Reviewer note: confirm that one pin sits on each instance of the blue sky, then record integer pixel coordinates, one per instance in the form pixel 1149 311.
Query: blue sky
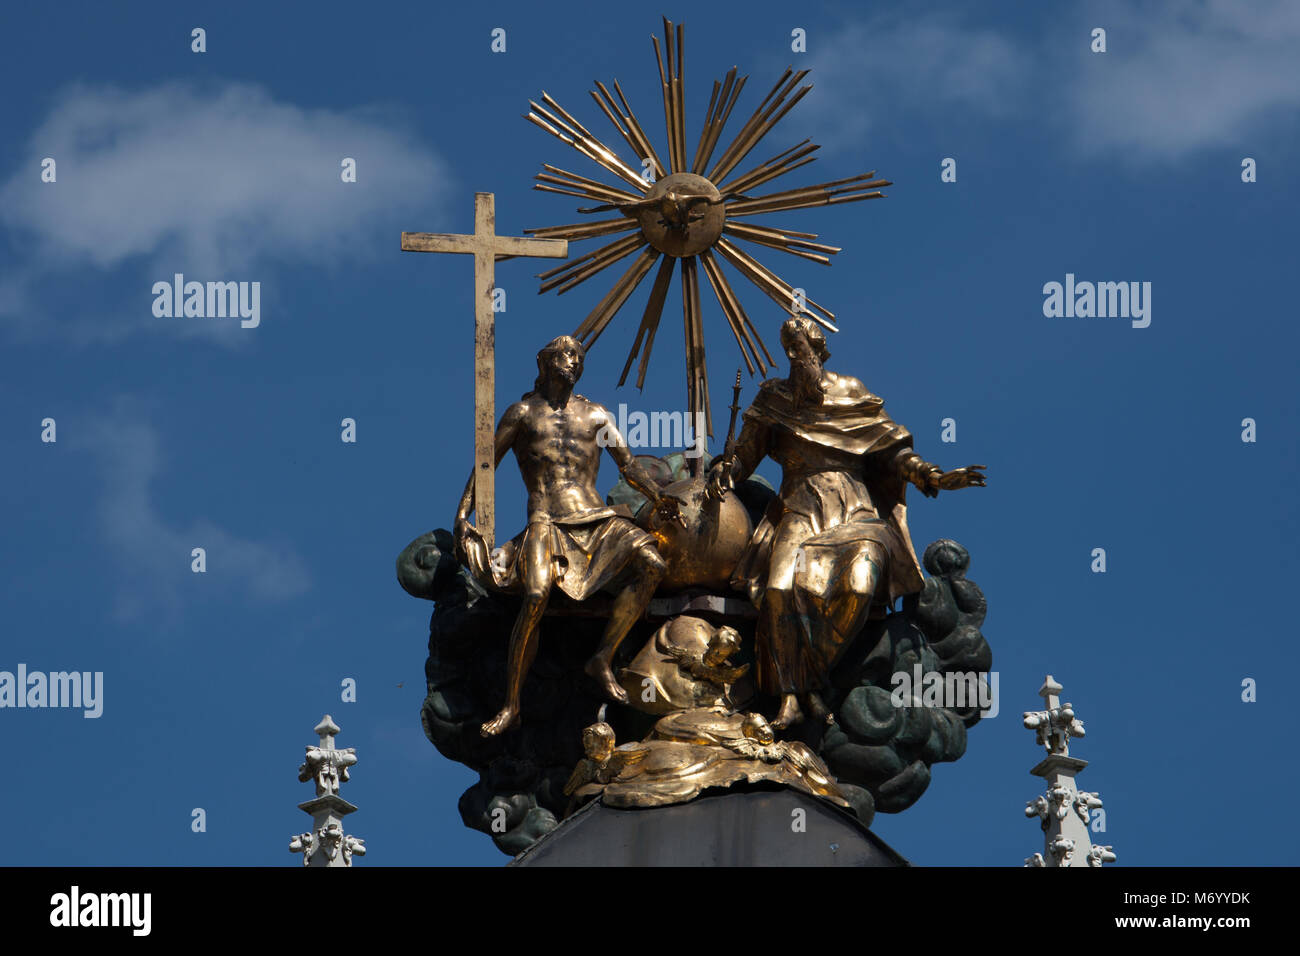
pixel 186 432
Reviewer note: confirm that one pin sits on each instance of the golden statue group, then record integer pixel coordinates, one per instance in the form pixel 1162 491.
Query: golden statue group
pixel 832 544
pixel 695 565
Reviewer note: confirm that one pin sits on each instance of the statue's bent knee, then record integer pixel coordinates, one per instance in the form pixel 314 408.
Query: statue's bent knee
pixel 652 563
pixel 536 594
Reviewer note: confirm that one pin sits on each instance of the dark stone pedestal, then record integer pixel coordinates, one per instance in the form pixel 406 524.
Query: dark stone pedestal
pixel 739 827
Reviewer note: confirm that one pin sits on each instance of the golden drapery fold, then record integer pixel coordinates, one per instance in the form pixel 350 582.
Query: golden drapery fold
pixel 587 550
pixel 835 540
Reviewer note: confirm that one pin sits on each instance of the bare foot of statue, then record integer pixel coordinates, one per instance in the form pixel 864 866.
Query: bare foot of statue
pixel 790 713
pixel 509 717
pixel 598 669
pixel 818 710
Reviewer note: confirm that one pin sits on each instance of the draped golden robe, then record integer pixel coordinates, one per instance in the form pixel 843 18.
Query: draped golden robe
pixel 836 536
pixel 588 550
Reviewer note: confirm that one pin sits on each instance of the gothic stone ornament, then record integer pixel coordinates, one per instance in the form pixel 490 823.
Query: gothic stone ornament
pixel 337 847
pixel 1064 811
pixel 326 844
pixel 1101 854
pixel 1085 803
pixel 303 843
pixel 1055 727
pixel 329 768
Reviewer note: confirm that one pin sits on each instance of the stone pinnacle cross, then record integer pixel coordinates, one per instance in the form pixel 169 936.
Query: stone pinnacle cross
pixel 1064 811
pixel 486 247
pixel 326 844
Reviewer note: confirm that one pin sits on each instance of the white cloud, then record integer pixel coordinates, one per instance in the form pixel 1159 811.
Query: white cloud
pixel 148 556
pixel 1178 77
pixel 902 65
pixel 216 183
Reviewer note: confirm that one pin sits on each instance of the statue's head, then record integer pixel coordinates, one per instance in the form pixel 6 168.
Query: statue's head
pixel 562 356
pixel 805 346
pixel 757 729
pixel 598 741
pixel 722 645
pixel 801 329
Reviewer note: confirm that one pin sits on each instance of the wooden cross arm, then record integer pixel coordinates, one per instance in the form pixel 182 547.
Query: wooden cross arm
pixel 501 245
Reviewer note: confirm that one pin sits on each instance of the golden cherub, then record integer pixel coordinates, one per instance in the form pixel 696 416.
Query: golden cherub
pixel 603 761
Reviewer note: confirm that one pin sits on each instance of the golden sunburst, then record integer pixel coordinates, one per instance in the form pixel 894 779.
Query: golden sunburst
pixel 683 215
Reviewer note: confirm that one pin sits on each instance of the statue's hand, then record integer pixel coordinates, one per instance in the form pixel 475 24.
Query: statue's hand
pixel 669 508
pixel 464 532
pixel 968 477
pixel 720 480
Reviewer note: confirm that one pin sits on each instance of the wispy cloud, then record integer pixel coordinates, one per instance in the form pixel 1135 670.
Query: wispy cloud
pixel 216 183
pixel 149 556
pixel 900 66
pixel 1179 77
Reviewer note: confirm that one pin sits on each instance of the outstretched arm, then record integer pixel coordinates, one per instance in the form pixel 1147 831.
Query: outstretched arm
pixel 931 479
pixel 634 472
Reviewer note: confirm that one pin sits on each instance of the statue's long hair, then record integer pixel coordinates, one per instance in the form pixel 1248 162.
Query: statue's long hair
pixel 544 357
pixel 800 325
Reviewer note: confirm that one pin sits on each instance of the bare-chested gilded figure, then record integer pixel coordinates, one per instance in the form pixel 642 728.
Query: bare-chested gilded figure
pixel 573 540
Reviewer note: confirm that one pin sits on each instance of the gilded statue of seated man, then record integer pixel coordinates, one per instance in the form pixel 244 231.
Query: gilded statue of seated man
pixel 834 542
pixel 573 541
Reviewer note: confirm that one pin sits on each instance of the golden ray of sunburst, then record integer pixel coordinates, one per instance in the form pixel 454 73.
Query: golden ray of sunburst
pixel 665 218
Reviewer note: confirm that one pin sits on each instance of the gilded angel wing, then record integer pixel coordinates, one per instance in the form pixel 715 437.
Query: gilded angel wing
pixel 679 654
pixel 583 774
pixel 728 675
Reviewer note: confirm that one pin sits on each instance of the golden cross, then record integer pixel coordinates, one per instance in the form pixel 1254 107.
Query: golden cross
pixel 486 247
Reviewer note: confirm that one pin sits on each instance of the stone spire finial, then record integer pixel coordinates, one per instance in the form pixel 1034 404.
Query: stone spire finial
pixel 1063 811
pixel 326 729
pixel 325 762
pixel 326 844
pixel 1055 725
